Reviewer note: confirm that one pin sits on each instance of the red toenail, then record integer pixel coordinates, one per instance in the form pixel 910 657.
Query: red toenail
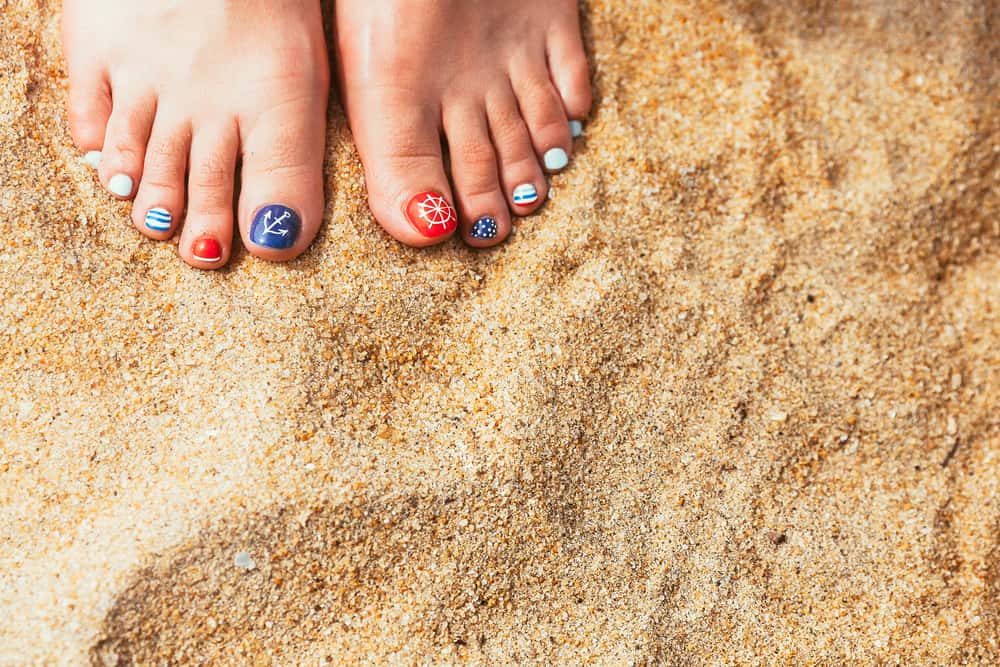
pixel 432 215
pixel 207 249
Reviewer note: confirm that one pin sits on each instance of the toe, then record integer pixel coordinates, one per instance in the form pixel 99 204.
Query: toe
pixel 524 183
pixel 207 238
pixel 125 142
pixel 544 113
pixel 159 203
pixel 400 145
pixel 570 72
pixel 89 107
pixel 483 212
pixel 281 200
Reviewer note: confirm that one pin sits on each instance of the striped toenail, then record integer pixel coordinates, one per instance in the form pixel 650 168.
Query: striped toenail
pixel 556 159
pixel 525 195
pixel 158 219
pixel 121 185
pixel 576 129
pixel 432 215
pixel 206 249
pixel 276 227
pixel 485 228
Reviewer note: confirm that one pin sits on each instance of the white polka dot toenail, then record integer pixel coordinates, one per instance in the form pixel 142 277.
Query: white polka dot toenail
pixel 576 129
pixel 121 185
pixel 93 158
pixel 556 159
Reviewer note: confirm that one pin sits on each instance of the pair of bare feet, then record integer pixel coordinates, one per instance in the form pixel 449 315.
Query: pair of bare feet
pixel 167 98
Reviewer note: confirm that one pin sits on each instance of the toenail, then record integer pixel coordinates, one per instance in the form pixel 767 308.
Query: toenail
pixel 432 215
pixel 93 158
pixel 576 129
pixel 276 227
pixel 556 159
pixel 206 249
pixel 158 219
pixel 525 195
pixel 121 185
pixel 485 228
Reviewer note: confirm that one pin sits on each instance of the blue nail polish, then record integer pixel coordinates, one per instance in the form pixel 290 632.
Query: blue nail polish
pixel 485 228
pixel 276 227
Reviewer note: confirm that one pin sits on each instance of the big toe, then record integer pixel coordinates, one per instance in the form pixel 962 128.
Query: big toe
pixel 408 191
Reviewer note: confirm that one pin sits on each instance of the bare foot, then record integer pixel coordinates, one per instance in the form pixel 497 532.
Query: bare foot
pixel 164 90
pixel 500 80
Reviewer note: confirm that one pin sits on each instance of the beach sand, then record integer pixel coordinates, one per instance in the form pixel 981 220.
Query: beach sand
pixel 731 399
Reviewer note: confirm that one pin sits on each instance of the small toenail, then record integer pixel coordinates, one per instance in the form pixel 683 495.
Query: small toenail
pixel 556 159
pixel 276 227
pixel 159 219
pixel 432 215
pixel 121 185
pixel 208 250
pixel 525 195
pixel 576 129
pixel 485 228
pixel 93 158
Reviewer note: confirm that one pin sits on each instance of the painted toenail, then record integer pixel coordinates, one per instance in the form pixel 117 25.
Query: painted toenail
pixel 206 249
pixel 556 159
pixel 93 158
pixel 485 228
pixel 432 215
pixel 576 129
pixel 525 195
pixel 121 185
pixel 159 219
pixel 276 227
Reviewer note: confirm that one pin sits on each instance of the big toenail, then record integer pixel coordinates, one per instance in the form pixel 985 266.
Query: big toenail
pixel 121 185
pixel 485 228
pixel 208 250
pixel 556 159
pixel 276 227
pixel 432 215
pixel 576 129
pixel 525 195
pixel 158 219
pixel 93 158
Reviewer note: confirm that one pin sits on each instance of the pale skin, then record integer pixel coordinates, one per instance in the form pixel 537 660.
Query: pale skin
pixel 176 94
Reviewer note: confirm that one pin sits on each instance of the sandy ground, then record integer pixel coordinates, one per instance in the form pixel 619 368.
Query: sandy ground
pixel 732 399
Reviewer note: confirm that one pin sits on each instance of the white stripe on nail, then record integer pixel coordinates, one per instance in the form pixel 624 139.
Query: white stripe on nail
pixel 159 219
pixel 525 195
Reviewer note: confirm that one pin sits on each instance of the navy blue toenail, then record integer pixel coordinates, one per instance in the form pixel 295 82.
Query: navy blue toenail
pixel 276 227
pixel 485 228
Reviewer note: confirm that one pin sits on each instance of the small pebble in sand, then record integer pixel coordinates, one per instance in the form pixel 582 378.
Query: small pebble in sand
pixel 244 561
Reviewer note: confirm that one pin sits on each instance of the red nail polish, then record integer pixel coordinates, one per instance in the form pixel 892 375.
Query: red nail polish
pixel 207 249
pixel 432 215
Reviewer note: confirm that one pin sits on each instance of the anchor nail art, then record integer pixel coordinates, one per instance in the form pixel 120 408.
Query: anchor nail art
pixel 556 159
pixel 121 185
pixel 485 228
pixel 207 249
pixel 432 215
pixel 525 195
pixel 576 129
pixel 158 219
pixel 276 227
pixel 93 159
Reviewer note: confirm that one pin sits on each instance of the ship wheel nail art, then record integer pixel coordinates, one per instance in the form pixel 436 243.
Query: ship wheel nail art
pixel 485 228
pixel 276 227
pixel 208 250
pixel 432 215
pixel 158 219
pixel 525 195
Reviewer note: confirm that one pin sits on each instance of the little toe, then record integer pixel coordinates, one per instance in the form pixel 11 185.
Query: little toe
pixel 207 237
pixel 88 107
pixel 524 183
pixel 281 199
pixel 159 203
pixel 400 146
pixel 571 74
pixel 483 212
pixel 544 113
pixel 125 142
